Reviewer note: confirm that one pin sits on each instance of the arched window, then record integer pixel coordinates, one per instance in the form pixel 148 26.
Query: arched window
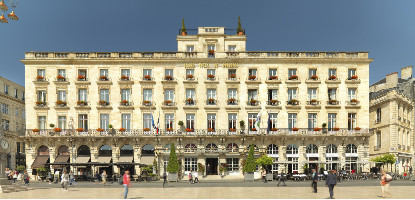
pixel 232 147
pixel 292 149
pixel 331 148
pixel 351 148
pixel 147 150
pixel 63 150
pixel 312 148
pixel 211 146
pixel 84 150
pixel 127 150
pixel 272 149
pixel 43 150
pixel 105 150
pixel 190 148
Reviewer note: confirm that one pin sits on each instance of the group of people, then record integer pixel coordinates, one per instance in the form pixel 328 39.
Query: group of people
pixel 193 177
pixel 14 175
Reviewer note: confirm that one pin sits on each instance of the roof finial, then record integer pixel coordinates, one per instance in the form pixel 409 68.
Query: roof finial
pixel 239 30
pixel 184 32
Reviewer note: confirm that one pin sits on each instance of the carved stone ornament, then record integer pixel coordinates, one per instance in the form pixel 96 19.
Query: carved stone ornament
pixel 233 86
pixel 169 86
pixel 82 86
pixel 210 86
pixel 103 87
pixel 252 86
pixel 125 86
pixel 147 86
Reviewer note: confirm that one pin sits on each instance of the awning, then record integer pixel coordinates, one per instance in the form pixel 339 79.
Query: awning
pixel 147 160
pixel 60 159
pixel 126 159
pixel 82 160
pixel 104 159
pixel 40 161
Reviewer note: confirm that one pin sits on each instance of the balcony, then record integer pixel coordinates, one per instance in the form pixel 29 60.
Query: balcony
pixel 82 105
pixel 332 104
pixel 61 80
pixel 82 80
pixel 253 102
pixel 313 80
pixel 126 105
pixel 61 105
pixel 313 103
pixel 232 102
pixel 377 148
pixel 211 79
pixel 273 80
pixel 190 104
pixel 147 104
pixel 293 80
pixel 232 79
pixel 103 105
pixel 125 80
pixel 353 104
pixel 147 79
pixel 211 102
pixel 352 80
pixel 293 104
pixel 104 80
pixel 333 80
pixel 190 78
pixel 41 105
pixel 40 80
pixel 252 79
pixel 169 104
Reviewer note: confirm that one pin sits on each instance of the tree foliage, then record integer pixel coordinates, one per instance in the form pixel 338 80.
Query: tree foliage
pixel 239 29
pixel 173 166
pixel 183 27
pixel 265 161
pixel 385 159
pixel 250 165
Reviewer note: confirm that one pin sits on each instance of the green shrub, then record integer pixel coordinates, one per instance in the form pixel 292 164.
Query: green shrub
pixel 250 165
pixel 173 166
pixel 265 161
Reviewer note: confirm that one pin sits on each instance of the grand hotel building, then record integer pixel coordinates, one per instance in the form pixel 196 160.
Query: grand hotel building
pixel 211 84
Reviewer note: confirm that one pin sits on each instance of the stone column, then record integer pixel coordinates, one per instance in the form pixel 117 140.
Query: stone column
pixel 342 158
pixel 30 157
pixel 137 159
pixel 202 160
pixel 115 158
pixel 13 160
pixel 282 153
pixel 52 156
pixel 302 158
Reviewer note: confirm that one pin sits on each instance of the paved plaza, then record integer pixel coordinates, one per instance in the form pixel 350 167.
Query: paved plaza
pixel 215 190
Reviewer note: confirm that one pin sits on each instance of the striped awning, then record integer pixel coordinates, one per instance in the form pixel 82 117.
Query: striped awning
pixel 60 159
pixel 126 159
pixel 40 161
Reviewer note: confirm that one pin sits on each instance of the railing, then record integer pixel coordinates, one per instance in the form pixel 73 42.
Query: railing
pixel 333 102
pixel 353 103
pixel 41 79
pixel 106 103
pixel 211 102
pixel 313 102
pixel 198 132
pixel 171 103
pixel 376 148
pixel 64 79
pixel 293 103
pixel 61 104
pixel 253 103
pixel 273 102
pixel 147 103
pixel 190 102
pixel 232 102
pixel 82 79
pixel 129 103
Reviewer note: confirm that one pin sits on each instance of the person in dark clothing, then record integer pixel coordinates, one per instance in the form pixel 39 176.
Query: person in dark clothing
pixel 282 179
pixel 164 178
pixel 314 179
pixel 331 182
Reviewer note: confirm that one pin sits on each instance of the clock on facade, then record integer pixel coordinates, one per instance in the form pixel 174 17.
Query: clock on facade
pixel 4 144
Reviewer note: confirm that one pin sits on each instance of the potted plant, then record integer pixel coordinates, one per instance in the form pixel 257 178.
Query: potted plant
pixel 100 130
pixel 332 77
pixel 147 103
pixel 189 130
pixel 40 103
pixel 231 101
pixel 354 77
pixel 353 101
pixel 314 77
pixel 317 129
pixel 42 171
pixel 51 125
pixel 60 103
pixel 169 129
pixel 324 125
pixel 253 102
pixel 184 31
pixel 81 78
pixel 125 102
pixel 147 77
pixel 20 168
pixel 103 103
pixel 189 101
pixel 167 102
pixel 239 30
pixel 357 129
pixel 168 77
pixel 211 101
pixel 190 77
pixel 223 169
pixel 211 76
pixel 40 78
pixel 293 77
pixel 336 129
pixel 273 77
pixel 313 101
pixel 181 124
pixel 232 76
pixel 81 103
pixel 293 102
pixel 250 165
pixel 80 130
pixel 294 129
pixel 57 130
pixel 253 129
pixel 242 124
pixel 60 78
pixel 35 130
pixel 273 101
pixel 122 129
pixel 232 130
pixel 211 52
pixel 274 129
pixel 211 130
pixel 265 162
pixel 125 78
pixel 201 168
pixel 103 78
pixel 146 129
pixel 252 77
pixel 333 102
pixel 173 165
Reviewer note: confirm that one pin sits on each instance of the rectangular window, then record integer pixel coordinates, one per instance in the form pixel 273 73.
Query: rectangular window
pixel 23 114
pixel 104 95
pixel 62 122
pixel 15 93
pixel 231 72
pixel 83 122
pixel 252 95
pixel 350 73
pixel 332 72
pixel 351 93
pixel 22 95
pixel 272 72
pixel 273 119
pixel 378 140
pixel 41 72
pixel 211 93
pixel 292 72
pixel 104 121
pixel 312 72
pixel 6 89
pixel 126 121
pixel 103 72
pixel 125 72
pixel 147 95
pixel 190 121
pixel 233 164
pixel 273 94
pixel 169 95
pixel 211 121
pixel 312 94
pixel 41 121
pixel 16 112
pixel 292 120
pixel 351 121
pixel 62 72
pixel 232 94
pixel 62 95
pixel 125 94
pixel 190 164
pixel 232 48
pixel 332 93
pixel 82 95
pixel 190 48
pixel 312 121
pixel 41 96
pixel 147 121
pixel 211 72
pixel 190 94
pixel 82 72
pixel 292 94
pixel 332 121
pixel 251 120
pixel 294 168
pixel 378 115
pixel 169 118
pixel 252 72
pixel 190 72
pixel 147 72
pixel 168 72
pixel 232 121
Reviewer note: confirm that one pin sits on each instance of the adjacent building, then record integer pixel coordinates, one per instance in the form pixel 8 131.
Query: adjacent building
pixel 391 114
pixel 211 98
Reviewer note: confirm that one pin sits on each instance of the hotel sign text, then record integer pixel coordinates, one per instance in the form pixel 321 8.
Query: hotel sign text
pixel 208 65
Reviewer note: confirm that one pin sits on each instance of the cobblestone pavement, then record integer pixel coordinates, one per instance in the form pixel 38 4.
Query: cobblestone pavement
pixel 215 190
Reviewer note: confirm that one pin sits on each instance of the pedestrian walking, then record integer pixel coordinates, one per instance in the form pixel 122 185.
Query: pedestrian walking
pixel 65 181
pixel 71 178
pixel 56 178
pixel 195 175
pixel 384 182
pixel 331 182
pixel 104 177
pixel 49 177
pixel 7 172
pixel 264 176
pixel 190 177
pixel 15 174
pixel 126 182
pixel 164 178
pixel 314 179
pixel 282 178
pixel 26 178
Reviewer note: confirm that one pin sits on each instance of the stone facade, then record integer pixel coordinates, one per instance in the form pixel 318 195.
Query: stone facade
pixel 211 51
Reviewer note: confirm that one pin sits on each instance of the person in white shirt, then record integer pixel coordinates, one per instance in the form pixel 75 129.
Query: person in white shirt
pixel 65 180
pixel 195 175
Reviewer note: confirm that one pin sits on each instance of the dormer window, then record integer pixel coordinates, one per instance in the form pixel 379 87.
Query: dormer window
pixel 190 48
pixel 211 51
pixel 232 48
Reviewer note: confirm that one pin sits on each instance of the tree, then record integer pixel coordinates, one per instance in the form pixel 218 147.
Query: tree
pixel 384 159
pixel 239 29
pixel 250 165
pixel 173 166
pixel 265 161
pixel 183 27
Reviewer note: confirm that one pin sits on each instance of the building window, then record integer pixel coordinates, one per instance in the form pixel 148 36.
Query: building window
pixel 104 121
pixel 312 148
pixel 16 112
pixel 190 121
pixel 104 95
pixel 190 94
pixel 378 115
pixel 211 94
pixel 292 94
pixel 292 72
pixel 41 121
pixel 125 73
pixel 233 164
pixel 147 72
pixel 41 72
pixel 252 72
pixel 232 119
pixel 331 148
pixel 272 72
pixel 190 72
pixel 232 48
pixel 292 149
pixel 332 93
pixel 4 108
pixel 23 114
pixel 351 148
pixel 165 163
pixel 6 125
pixel 6 89
pixel 332 72
pixel 82 72
pixel 125 94
pixel 292 120
pixel 273 120
pixel 211 122
pixel 351 93
pixel 311 73
pixel 22 95
pixel 378 140
pixel 351 122
pixel 211 72
pixel 272 94
pixel 251 120
pixel 41 96
pixel 252 95
pixel 62 122
pixel 62 95
pixel 312 121
pixel 211 51
pixel 312 94
pixel 232 74
pixel 168 72
pixel 331 121
pixel 169 95
pixel 82 95
pixel 351 72
pixel 126 121
pixel 147 95
pixel 232 94
pixel 272 149
pixel 190 164
pixel 169 121
pixel 83 122
pixel 62 72
pixel 190 48
pixel 15 93
pixel 147 121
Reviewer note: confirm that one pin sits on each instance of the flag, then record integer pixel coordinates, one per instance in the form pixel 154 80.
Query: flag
pixel 158 123
pixel 258 121
pixel 269 122
pixel 152 122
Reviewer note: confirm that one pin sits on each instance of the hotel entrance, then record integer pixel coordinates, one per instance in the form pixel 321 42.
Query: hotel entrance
pixel 212 166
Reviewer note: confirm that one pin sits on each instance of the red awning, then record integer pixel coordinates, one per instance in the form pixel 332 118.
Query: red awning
pixel 40 161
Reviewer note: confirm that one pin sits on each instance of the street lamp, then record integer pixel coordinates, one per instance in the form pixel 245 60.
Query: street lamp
pixel 4 8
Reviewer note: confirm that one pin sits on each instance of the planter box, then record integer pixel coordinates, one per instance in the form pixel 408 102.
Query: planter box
pixel 149 178
pixel 173 177
pixel 269 177
pixel 249 176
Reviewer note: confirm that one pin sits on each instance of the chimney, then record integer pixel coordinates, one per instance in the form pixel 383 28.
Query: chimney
pixel 406 72
pixel 391 80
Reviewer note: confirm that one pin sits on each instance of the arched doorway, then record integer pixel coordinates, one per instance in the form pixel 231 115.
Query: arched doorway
pixel 126 160
pixel 62 159
pixel 83 169
pixel 41 160
pixel 147 154
pixel 104 161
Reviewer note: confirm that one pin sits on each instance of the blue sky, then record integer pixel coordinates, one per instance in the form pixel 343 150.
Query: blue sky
pixel 384 28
